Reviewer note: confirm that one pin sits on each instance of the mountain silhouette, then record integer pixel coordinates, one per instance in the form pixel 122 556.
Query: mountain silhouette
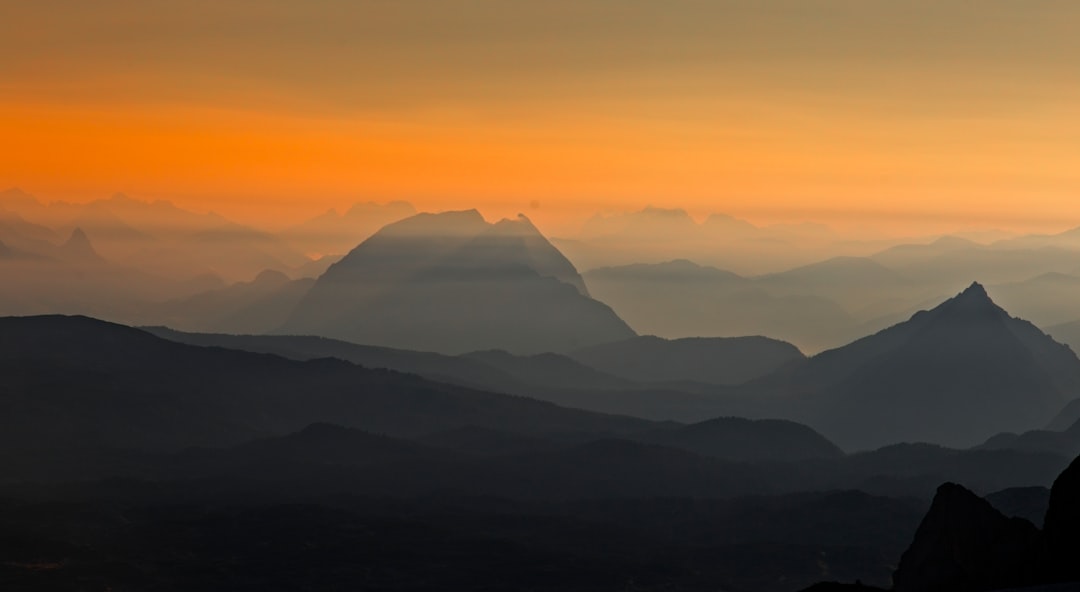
pixel 258 306
pixel 1065 442
pixel 738 439
pixel 964 543
pixel 75 383
pixel 27 237
pixel 1067 333
pixel 161 238
pixel 1062 525
pixel 679 298
pixel 953 375
pixel 453 283
pixel 549 377
pixel 733 360
pixel 332 233
pixel 552 370
pixel 463 370
pixel 78 249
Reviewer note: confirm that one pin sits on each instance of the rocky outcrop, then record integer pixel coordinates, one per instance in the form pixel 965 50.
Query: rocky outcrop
pixel 964 543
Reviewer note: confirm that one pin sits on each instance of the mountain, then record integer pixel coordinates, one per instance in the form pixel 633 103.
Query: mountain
pixel 653 235
pixel 78 249
pixel 1046 299
pixel 733 360
pixel 258 306
pixel 1067 333
pixel 461 370
pixel 26 236
pixel 954 375
pixel 680 299
pixel 863 287
pixel 964 543
pixel 161 238
pixel 453 283
pixel 76 384
pixel 551 370
pixel 913 254
pixel 548 377
pixel 1062 525
pixel 1065 442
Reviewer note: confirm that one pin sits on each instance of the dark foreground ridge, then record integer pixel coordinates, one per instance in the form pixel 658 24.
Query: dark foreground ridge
pixel 964 543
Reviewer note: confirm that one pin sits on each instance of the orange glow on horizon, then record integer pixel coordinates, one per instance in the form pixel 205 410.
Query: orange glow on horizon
pixel 274 169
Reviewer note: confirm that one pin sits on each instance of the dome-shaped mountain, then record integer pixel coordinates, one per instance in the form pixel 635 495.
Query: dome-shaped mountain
pixel 954 375
pixel 454 283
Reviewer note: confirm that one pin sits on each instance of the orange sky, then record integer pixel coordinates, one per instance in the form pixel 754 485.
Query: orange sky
pixel 928 115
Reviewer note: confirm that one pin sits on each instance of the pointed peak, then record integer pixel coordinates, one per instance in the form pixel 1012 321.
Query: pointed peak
pixel 973 302
pixel 975 290
pixel 78 246
pixel 78 235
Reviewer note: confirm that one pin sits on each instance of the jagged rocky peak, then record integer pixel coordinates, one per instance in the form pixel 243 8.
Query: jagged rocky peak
pixel 972 304
pixel 964 543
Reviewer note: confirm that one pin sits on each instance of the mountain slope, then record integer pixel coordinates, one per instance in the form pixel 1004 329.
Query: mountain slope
pixel 453 283
pixel 954 375
pixel 78 249
pixel 680 299
pixel 738 439
pixel 74 383
pixel 258 306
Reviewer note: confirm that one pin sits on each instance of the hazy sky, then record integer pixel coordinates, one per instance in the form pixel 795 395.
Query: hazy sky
pixel 957 112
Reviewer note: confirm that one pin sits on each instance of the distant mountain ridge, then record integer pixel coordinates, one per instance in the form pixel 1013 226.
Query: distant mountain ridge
pixel 73 383
pixel 720 360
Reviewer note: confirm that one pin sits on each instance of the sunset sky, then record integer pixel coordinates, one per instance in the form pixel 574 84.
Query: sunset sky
pixel 919 114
